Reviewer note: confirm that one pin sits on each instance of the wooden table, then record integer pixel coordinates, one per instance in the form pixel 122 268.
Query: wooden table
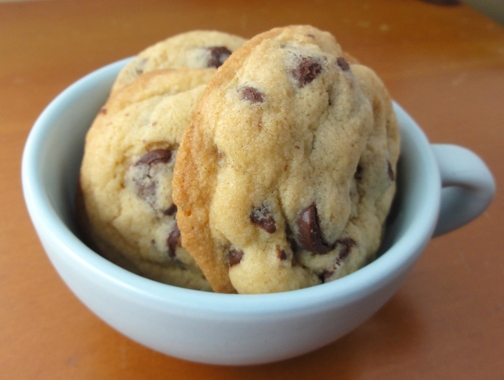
pixel 445 65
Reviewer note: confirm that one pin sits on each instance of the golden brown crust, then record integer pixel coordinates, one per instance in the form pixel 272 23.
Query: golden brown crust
pixel 190 184
pixel 195 179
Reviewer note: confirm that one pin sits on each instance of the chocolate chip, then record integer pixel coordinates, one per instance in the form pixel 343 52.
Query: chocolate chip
pixel 342 64
pixel 390 171
pixel 145 174
pixel 282 255
pixel 307 70
pixel 261 216
pixel 234 257
pixel 103 111
pixel 253 95
pixel 310 234
pixel 173 241
pixel 325 275
pixel 218 54
pixel 155 156
pixel 170 210
pixel 346 246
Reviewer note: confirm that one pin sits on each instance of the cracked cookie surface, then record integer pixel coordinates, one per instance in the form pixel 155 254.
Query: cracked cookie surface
pixel 287 172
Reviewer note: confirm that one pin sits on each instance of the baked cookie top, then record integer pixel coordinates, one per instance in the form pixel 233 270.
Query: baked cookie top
pixel 287 172
pixel 127 210
pixel 194 49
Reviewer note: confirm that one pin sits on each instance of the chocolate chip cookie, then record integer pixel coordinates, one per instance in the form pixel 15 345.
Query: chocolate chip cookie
pixel 126 209
pixel 194 49
pixel 287 172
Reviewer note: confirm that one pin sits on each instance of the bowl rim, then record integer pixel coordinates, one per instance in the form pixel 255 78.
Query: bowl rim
pixel 354 286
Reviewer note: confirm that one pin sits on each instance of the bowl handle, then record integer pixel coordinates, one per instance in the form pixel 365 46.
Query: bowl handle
pixel 468 186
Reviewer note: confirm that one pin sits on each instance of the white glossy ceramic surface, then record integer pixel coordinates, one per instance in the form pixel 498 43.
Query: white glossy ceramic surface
pixel 237 329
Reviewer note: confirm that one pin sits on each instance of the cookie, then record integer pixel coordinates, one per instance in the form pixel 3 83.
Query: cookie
pixel 195 49
pixel 126 209
pixel 287 172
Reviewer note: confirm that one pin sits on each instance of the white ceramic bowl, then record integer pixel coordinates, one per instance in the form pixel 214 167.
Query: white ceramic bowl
pixel 236 329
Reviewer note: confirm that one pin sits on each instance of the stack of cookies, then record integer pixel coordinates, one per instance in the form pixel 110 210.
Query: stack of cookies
pixel 253 166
